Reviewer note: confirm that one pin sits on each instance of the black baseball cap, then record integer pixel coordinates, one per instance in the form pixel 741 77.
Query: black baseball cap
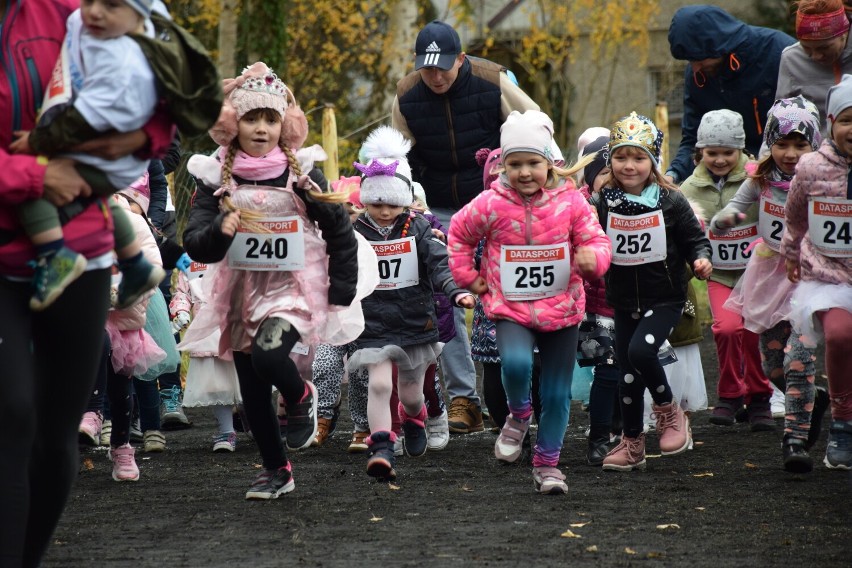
pixel 437 45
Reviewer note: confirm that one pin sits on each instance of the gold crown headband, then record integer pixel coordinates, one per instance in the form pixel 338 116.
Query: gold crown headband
pixel 636 130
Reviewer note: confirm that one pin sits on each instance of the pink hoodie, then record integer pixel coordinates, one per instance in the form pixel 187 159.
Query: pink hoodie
pixel 503 217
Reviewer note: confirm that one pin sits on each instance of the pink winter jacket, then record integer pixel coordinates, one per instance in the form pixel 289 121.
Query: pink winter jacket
pixel 551 216
pixel 820 173
pixel 134 316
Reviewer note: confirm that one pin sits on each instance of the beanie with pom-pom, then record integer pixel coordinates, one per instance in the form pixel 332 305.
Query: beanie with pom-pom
pixel 386 177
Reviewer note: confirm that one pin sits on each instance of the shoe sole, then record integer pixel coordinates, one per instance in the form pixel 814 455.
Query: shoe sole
pixel 381 469
pixel 722 420
pixel 437 447
pixel 465 429
pixel 357 449
pixel 259 496
pixel 841 466
pixel 79 268
pixel 221 449
pixel 798 465
pixel 760 427
pixel 411 454
pixel 116 478
pixel 157 275
pixel 174 421
pixel 155 448
pixel 613 467
pixel 87 439
pixel 508 458
pixel 554 490
pixel 310 439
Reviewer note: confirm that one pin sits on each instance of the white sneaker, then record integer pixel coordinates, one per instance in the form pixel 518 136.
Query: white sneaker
pixel 778 403
pixel 398 448
pixel 437 432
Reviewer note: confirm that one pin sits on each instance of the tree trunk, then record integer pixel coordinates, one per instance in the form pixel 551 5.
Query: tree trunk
pixel 228 38
pixel 399 48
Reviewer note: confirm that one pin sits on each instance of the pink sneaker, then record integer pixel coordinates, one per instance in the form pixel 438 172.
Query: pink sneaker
pixel 672 428
pixel 90 428
pixel 628 455
pixel 124 463
pixel 511 439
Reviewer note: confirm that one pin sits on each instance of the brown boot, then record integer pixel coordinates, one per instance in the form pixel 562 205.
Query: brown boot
pixel 464 416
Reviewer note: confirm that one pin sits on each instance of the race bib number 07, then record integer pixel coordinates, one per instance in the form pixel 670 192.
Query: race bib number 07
pixel 280 249
pixel 398 266
pixel 534 272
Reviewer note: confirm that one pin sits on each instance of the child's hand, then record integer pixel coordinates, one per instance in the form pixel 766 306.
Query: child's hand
pixel 230 223
pixel 793 274
pixel 478 286
pixel 180 321
pixel 22 143
pixel 729 221
pixel 702 268
pixel 586 260
pixel 466 300
pixel 439 234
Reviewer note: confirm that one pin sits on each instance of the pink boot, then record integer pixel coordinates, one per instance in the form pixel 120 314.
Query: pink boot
pixel 673 429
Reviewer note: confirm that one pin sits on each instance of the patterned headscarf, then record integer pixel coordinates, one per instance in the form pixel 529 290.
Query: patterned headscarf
pixel 796 115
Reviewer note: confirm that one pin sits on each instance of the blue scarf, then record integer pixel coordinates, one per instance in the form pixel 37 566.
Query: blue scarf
pixel 627 204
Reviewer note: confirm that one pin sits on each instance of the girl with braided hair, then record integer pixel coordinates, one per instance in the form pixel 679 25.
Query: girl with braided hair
pixel 285 260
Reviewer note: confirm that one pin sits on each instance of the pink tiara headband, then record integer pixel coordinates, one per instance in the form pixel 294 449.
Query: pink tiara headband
pixel 815 27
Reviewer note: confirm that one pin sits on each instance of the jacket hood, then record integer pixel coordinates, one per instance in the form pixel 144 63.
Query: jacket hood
pixel 704 32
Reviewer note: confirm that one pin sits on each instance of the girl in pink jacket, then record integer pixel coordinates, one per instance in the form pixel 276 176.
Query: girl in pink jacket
pixel 818 249
pixel 542 240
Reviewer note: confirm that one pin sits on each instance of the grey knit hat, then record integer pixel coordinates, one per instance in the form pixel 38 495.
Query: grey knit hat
pixel 839 98
pixel 721 128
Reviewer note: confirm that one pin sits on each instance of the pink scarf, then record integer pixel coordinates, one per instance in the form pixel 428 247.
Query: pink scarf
pixel 268 166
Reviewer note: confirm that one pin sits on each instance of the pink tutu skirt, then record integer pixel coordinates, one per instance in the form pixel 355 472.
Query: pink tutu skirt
pixel 763 293
pixel 133 350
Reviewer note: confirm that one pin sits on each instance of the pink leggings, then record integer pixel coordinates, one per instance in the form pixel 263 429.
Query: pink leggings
pixel 740 369
pixel 837 326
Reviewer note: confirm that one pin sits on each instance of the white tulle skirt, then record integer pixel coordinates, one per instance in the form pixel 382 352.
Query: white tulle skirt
pixel 686 379
pixel 811 297
pixel 211 381
pixel 405 358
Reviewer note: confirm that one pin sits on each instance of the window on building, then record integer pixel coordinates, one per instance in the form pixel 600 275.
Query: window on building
pixel 666 85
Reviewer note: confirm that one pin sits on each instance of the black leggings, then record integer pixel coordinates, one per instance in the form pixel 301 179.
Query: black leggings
pixel 495 395
pixel 638 337
pixel 269 365
pixel 48 363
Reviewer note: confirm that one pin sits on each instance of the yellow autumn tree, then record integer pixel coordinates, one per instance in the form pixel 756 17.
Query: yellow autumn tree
pixel 562 30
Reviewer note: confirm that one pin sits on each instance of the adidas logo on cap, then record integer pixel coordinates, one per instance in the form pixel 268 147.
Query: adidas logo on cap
pixel 433 47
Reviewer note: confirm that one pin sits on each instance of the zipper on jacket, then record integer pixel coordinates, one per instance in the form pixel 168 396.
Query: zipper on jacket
pixel 35 80
pixel 8 64
pixel 528 240
pixel 454 190
pixel 757 116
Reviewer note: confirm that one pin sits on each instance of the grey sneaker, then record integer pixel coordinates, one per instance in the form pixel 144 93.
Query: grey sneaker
pixel 271 483
pixel 172 416
pixel 838 452
pixel 549 481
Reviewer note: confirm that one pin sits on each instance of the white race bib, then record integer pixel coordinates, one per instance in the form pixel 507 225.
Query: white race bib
pixel 282 248
pixel 637 239
pixel 830 226
pixel 730 251
pixel 59 90
pixel 196 270
pixel 771 222
pixel 398 266
pixel 534 272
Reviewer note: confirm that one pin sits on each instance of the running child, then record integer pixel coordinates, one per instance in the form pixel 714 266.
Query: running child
pixel 654 233
pixel 542 238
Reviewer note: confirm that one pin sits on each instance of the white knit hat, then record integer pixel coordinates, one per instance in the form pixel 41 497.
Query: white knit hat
pixel 722 128
pixel 386 177
pixel 530 131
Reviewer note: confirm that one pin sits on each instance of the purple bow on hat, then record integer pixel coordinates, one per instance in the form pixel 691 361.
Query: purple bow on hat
pixel 376 168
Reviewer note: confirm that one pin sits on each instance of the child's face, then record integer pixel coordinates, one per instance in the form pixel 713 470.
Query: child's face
pixel 258 132
pixel 841 131
pixel 720 160
pixel 109 19
pixel 600 179
pixel 384 215
pixel 631 168
pixel 787 151
pixel 527 172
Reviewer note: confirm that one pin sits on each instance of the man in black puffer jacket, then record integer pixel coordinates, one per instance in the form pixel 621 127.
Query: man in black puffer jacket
pixel 450 107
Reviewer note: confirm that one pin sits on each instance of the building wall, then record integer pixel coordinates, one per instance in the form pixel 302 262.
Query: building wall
pixel 606 90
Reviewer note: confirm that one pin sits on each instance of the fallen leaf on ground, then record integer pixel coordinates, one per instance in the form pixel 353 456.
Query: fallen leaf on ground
pixel 87 463
pixel 375 519
pixel 697 443
pixel 750 465
pixel 393 487
pixel 668 526
pixel 257 466
pixel 569 534
pixel 593 548
pixel 466 488
pixel 628 550
pixel 706 474
pixel 653 456
pixel 700 509
pixel 579 525
pixel 656 554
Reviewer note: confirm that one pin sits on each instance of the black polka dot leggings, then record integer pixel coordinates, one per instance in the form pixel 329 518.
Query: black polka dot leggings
pixel 638 337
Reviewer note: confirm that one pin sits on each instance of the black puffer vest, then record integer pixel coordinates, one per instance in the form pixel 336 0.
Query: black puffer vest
pixel 450 128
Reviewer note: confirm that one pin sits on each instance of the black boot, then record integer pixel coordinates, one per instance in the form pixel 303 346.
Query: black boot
pixel 598 449
pixel 796 458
